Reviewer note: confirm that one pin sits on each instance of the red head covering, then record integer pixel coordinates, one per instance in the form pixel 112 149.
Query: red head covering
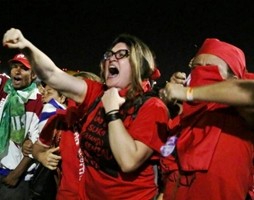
pixel 22 59
pixel 232 55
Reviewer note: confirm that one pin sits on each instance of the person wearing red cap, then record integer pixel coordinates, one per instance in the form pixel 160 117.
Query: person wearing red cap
pixel 121 136
pixel 213 150
pixel 20 107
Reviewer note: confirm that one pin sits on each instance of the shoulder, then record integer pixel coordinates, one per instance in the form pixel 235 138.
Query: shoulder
pixel 155 107
pixel 154 102
pixel 3 79
pixel 94 89
pixel 35 104
pixel 93 86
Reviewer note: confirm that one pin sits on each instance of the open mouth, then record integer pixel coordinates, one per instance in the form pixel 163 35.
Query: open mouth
pixel 16 79
pixel 113 71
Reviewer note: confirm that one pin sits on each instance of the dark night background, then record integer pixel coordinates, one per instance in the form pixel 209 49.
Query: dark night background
pixel 76 33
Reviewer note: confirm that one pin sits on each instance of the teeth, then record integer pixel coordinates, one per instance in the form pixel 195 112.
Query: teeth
pixel 111 66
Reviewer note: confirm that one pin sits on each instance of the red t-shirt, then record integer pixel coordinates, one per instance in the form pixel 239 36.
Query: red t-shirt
pixel 103 178
pixel 70 183
pixel 100 181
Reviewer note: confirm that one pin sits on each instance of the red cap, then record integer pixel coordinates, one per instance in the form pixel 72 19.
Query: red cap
pixel 22 59
pixel 231 54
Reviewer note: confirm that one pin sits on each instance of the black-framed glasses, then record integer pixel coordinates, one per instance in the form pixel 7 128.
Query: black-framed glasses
pixel 118 54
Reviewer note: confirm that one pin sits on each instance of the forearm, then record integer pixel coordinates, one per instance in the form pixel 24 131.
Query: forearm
pixel 15 175
pixel 49 73
pixel 129 153
pixel 40 62
pixel 42 65
pixel 45 68
pixel 22 166
pixel 235 93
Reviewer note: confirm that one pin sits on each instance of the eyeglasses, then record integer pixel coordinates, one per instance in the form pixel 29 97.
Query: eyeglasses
pixel 118 54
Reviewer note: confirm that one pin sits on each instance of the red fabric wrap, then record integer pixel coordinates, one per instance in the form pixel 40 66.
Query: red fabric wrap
pixel 232 55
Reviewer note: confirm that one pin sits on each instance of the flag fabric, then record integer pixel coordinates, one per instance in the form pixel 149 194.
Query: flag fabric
pixel 49 109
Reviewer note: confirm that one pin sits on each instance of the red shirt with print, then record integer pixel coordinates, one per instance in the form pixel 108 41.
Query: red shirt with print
pixel 103 177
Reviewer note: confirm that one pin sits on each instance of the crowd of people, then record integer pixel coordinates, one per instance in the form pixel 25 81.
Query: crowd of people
pixel 114 137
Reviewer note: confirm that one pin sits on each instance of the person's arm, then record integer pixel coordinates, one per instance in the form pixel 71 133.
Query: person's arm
pixel 129 153
pixel 27 147
pixel 231 92
pixel 14 176
pixel 45 68
pixel 46 156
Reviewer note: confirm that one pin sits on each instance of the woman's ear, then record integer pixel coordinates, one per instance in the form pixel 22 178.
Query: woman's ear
pixel 62 99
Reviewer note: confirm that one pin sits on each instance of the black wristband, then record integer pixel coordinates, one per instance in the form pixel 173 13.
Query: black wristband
pixel 109 112
pixel 113 117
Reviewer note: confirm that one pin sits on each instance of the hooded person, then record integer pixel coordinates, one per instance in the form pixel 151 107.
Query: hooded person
pixel 205 163
pixel 231 54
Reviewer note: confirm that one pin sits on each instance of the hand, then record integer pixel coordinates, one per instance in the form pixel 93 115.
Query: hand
pixel 178 77
pixel 49 158
pixel 173 92
pixel 112 100
pixel 164 96
pixel 27 147
pixel 13 38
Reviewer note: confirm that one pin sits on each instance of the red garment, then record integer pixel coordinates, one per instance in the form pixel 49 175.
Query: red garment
pixel 70 187
pixel 103 178
pixel 70 183
pixel 3 79
pixel 232 55
pixel 140 184
pixel 214 149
